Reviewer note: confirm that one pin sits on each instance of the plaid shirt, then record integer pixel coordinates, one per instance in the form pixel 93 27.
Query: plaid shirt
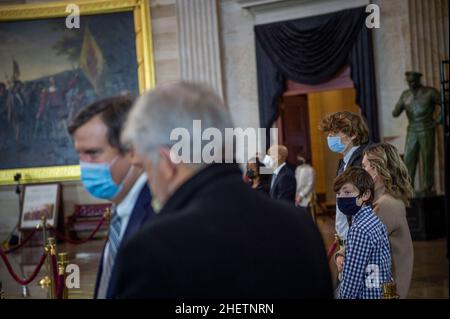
pixel 367 262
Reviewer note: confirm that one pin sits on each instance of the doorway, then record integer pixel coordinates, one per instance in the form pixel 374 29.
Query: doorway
pixel 300 112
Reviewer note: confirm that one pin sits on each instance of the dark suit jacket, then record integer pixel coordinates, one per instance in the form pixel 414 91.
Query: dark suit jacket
pixel 356 158
pixel 217 238
pixel 285 185
pixel 142 213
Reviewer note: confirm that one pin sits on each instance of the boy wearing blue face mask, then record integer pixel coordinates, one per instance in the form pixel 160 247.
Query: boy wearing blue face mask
pixel 367 263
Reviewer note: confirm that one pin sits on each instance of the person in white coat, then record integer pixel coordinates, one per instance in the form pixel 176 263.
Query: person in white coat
pixel 305 177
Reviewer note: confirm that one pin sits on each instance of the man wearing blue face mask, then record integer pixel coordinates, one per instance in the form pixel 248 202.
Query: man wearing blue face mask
pixel 348 135
pixel 367 263
pixel 110 171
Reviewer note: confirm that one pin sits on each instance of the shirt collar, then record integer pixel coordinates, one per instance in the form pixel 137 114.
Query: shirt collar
pixel 348 156
pixel 362 212
pixel 278 169
pixel 125 207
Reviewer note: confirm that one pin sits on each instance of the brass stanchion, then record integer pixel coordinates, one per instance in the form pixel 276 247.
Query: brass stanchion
pixel 46 281
pixel 51 249
pixel 390 291
pixel 62 264
pixel 107 214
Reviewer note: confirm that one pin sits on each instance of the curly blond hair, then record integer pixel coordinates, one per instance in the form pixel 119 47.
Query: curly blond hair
pixel 386 160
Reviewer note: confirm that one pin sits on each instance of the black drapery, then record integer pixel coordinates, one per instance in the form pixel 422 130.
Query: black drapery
pixel 311 51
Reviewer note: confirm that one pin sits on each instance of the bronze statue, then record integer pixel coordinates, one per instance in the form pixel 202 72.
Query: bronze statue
pixel 419 102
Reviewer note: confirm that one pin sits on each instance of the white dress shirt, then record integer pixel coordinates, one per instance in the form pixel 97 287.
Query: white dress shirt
pixel 341 218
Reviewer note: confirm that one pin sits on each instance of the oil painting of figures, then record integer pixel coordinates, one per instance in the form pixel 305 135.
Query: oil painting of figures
pixel 48 73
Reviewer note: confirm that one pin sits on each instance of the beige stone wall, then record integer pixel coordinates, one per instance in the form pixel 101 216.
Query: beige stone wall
pixel 165 40
pixel 239 64
pixel 392 59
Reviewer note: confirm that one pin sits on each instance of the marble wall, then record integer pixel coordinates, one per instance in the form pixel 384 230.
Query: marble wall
pixel 239 63
pixel 392 58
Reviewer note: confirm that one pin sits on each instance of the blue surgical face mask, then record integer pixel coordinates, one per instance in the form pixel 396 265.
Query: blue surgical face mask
pixel 348 205
pixel 98 181
pixel 335 145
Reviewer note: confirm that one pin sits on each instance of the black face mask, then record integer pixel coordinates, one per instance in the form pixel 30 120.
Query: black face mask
pixel 348 205
pixel 251 173
pixel 300 162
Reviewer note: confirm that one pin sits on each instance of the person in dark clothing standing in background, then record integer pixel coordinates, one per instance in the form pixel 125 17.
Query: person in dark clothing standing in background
pixel 259 182
pixel 283 184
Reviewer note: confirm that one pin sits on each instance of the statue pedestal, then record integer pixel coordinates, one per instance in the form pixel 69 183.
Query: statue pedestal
pixel 426 218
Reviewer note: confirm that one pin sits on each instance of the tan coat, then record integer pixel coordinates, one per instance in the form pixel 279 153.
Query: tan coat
pixel 392 213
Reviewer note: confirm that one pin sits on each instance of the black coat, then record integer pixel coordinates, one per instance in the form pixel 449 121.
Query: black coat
pixel 285 185
pixel 217 238
pixel 355 160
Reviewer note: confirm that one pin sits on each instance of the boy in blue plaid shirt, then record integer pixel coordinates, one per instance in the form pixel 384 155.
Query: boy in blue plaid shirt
pixel 367 263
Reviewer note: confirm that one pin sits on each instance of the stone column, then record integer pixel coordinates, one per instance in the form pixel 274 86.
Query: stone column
pixel 429 37
pixel 429 29
pixel 198 36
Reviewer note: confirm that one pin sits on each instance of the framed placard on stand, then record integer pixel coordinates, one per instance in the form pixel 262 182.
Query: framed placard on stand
pixel 38 201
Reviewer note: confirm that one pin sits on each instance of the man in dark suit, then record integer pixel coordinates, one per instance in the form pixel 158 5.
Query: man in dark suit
pixel 283 184
pixel 110 171
pixel 214 237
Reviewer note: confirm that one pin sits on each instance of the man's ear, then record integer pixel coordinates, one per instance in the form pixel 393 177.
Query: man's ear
pixel 167 166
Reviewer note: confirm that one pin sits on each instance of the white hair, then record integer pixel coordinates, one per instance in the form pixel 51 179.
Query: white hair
pixel 159 112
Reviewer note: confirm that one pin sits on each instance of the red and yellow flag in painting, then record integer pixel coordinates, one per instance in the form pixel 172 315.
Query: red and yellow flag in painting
pixel 91 60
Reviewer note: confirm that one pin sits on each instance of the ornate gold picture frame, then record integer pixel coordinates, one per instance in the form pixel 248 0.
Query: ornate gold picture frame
pixel 91 11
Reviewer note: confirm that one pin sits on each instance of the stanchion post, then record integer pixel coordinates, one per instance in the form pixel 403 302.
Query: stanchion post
pixel 46 281
pixel 107 214
pixel 51 249
pixel 390 291
pixel 62 264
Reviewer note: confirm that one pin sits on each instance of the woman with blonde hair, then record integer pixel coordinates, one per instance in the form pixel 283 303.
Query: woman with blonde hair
pixel 392 193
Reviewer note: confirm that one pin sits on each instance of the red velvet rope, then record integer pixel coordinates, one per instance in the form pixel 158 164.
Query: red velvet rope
pixel 23 282
pixel 60 287
pixel 331 250
pixel 82 241
pixel 23 242
pixel 54 271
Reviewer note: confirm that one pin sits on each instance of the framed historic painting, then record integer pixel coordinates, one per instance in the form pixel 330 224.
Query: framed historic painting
pixel 49 72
